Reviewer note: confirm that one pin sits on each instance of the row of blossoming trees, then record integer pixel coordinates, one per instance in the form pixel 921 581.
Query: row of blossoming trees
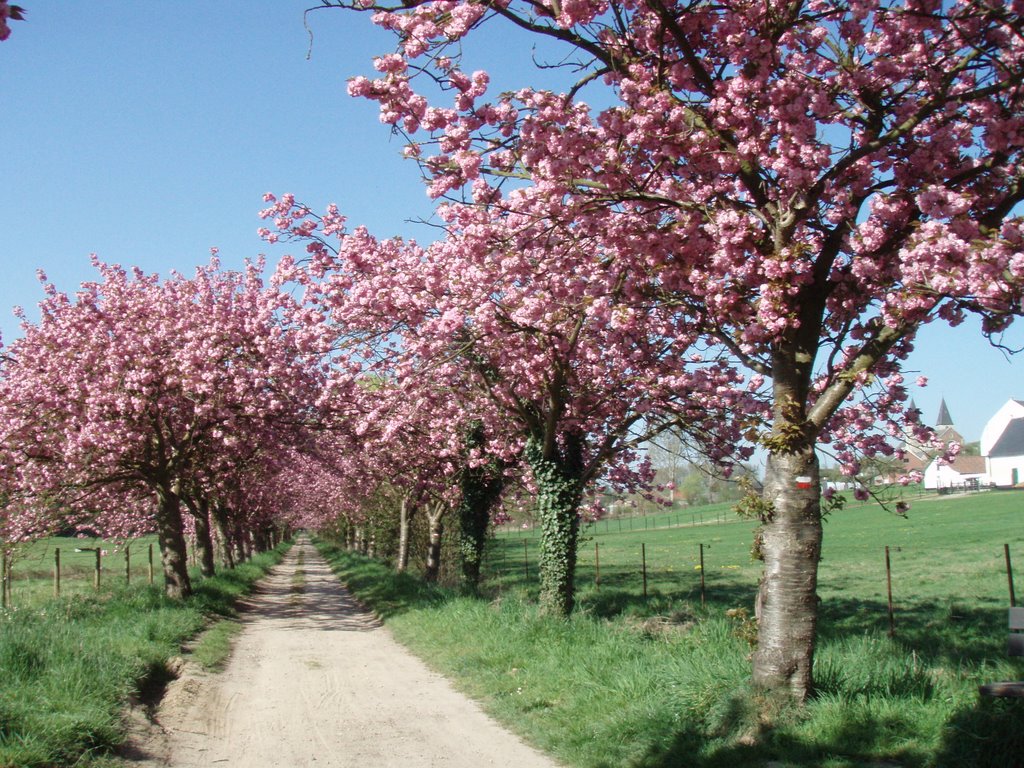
pixel 740 246
pixel 140 405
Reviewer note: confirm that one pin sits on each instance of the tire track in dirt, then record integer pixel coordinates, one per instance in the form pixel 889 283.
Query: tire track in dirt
pixel 315 680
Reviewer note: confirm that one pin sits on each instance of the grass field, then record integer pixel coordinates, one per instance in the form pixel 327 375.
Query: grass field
pixel 948 552
pixel 68 666
pixel 33 566
pixel 662 681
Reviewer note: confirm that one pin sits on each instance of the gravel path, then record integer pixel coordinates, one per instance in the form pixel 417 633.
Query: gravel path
pixel 314 680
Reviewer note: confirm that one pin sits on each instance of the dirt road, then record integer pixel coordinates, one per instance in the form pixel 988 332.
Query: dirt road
pixel 316 681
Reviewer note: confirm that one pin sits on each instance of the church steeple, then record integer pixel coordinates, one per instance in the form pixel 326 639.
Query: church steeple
pixel 944 419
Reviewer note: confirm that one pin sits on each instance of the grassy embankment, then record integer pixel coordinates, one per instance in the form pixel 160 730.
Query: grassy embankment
pixel 68 666
pixel 664 682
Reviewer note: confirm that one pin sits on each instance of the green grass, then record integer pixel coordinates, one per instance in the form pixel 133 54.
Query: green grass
pixel 69 666
pixel 213 647
pixel 663 681
pixel 33 566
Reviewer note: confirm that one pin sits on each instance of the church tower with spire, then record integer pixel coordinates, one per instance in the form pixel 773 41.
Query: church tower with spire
pixel 944 420
pixel 944 429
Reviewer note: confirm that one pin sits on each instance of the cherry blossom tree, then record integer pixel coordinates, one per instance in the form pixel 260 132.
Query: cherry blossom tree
pixel 539 328
pixel 140 388
pixel 810 180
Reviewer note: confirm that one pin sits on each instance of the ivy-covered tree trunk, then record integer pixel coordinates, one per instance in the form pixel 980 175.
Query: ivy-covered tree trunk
pixel 558 476
pixel 435 531
pixel 171 537
pixel 480 488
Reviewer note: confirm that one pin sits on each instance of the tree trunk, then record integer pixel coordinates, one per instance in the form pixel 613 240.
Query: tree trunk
pixel 559 491
pixel 220 516
pixel 238 543
pixel 435 524
pixel 405 513
pixel 171 536
pixel 200 511
pixel 204 543
pixel 788 598
pixel 481 488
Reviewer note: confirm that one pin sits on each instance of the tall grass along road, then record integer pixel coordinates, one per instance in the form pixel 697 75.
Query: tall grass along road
pixel 314 680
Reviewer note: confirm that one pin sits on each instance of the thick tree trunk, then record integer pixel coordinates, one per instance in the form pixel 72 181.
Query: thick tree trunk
pixel 220 516
pixel 204 544
pixel 481 488
pixel 200 511
pixel 788 598
pixel 171 536
pixel 435 527
pixel 405 512
pixel 559 491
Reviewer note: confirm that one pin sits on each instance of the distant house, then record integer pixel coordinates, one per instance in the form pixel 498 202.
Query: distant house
pixel 1002 445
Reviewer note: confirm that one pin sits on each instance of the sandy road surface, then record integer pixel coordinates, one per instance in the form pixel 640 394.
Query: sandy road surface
pixel 316 681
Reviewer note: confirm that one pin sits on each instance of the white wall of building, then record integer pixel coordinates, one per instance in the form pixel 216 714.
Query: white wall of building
pixel 938 475
pixel 1001 470
pixel 997 425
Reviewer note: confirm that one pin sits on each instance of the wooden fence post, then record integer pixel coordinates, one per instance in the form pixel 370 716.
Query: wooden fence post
pixel 4 592
pixel 151 562
pixel 99 565
pixel 643 564
pixel 888 581
pixel 1009 575
pixel 127 563
pixel 56 571
pixel 701 575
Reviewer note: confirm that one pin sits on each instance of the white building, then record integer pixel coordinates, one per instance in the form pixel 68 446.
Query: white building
pixel 964 472
pixel 1002 445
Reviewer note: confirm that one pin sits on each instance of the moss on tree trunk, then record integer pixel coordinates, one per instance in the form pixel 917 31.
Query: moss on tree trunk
pixel 559 491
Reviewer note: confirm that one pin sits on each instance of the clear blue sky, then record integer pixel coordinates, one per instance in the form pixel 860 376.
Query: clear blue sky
pixel 147 133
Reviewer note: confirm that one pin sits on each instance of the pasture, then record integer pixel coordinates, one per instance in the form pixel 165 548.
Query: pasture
pixel 662 681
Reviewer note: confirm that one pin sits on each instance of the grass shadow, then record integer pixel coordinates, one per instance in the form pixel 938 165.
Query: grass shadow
pixel 988 735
